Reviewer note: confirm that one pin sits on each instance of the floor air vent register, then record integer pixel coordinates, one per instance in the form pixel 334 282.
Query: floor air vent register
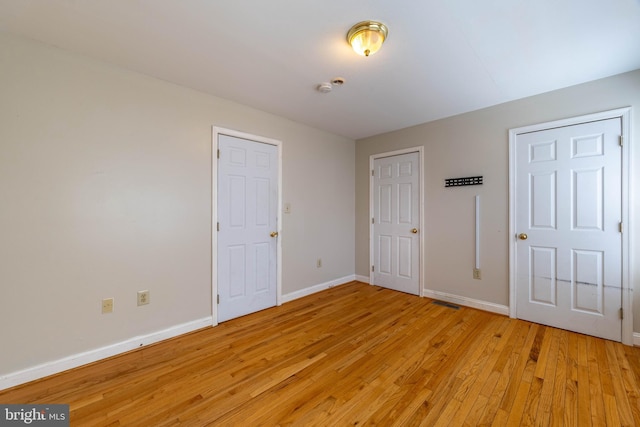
pixel 446 304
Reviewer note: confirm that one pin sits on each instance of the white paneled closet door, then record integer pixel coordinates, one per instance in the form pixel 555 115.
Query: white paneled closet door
pixel 568 215
pixel 396 187
pixel 247 217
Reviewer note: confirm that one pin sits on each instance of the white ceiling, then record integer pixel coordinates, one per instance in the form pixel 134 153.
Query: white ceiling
pixel 442 57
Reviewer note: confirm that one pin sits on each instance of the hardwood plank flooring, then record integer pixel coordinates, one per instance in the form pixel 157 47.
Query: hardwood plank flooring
pixel 357 355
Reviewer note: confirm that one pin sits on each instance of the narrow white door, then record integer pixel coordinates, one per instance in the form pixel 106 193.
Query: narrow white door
pixel 568 212
pixel 396 221
pixel 247 218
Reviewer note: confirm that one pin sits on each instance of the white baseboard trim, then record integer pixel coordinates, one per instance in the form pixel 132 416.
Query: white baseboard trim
pixel 56 366
pixel 317 288
pixel 455 299
pixel 487 306
pixel 364 279
pixel 50 368
pixel 467 302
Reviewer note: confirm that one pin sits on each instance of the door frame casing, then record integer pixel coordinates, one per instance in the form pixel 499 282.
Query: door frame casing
pixel 624 114
pixel 216 131
pixel 372 159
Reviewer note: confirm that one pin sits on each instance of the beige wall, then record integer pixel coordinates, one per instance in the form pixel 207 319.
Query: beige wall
pixel 105 189
pixel 476 143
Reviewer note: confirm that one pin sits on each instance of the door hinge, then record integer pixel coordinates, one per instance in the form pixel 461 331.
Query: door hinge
pixel 373 172
pixel 621 140
pixel 218 227
pixel 621 313
pixel 373 268
pixel 218 298
pixel 620 227
pixel 218 153
pixel 373 220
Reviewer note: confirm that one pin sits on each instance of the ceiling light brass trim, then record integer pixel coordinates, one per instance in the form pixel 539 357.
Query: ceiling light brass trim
pixel 360 27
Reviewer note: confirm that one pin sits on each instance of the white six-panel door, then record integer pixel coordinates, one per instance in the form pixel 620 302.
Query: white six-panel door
pixel 247 216
pixel 568 247
pixel 396 222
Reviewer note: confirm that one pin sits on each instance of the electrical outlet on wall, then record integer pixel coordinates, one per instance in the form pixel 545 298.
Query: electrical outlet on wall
pixel 107 305
pixel 476 273
pixel 319 263
pixel 143 297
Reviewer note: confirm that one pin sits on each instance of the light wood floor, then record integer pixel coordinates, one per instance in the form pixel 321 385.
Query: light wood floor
pixel 357 355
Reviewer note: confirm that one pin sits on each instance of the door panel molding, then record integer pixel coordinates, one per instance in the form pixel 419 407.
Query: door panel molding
pixel 216 132
pixel 581 148
pixel 421 235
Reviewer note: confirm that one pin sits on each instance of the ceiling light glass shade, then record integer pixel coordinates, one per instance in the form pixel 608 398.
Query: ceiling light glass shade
pixel 367 37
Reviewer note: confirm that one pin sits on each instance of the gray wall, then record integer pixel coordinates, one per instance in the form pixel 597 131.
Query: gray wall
pixel 476 143
pixel 105 189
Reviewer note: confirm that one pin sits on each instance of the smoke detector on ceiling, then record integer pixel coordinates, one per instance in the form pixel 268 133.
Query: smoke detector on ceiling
pixel 324 87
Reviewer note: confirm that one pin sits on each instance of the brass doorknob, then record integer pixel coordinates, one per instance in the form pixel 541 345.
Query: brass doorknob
pixel 274 234
pixel 522 236
pixel 414 230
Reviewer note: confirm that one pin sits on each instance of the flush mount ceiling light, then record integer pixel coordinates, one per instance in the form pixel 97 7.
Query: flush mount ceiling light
pixel 366 37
